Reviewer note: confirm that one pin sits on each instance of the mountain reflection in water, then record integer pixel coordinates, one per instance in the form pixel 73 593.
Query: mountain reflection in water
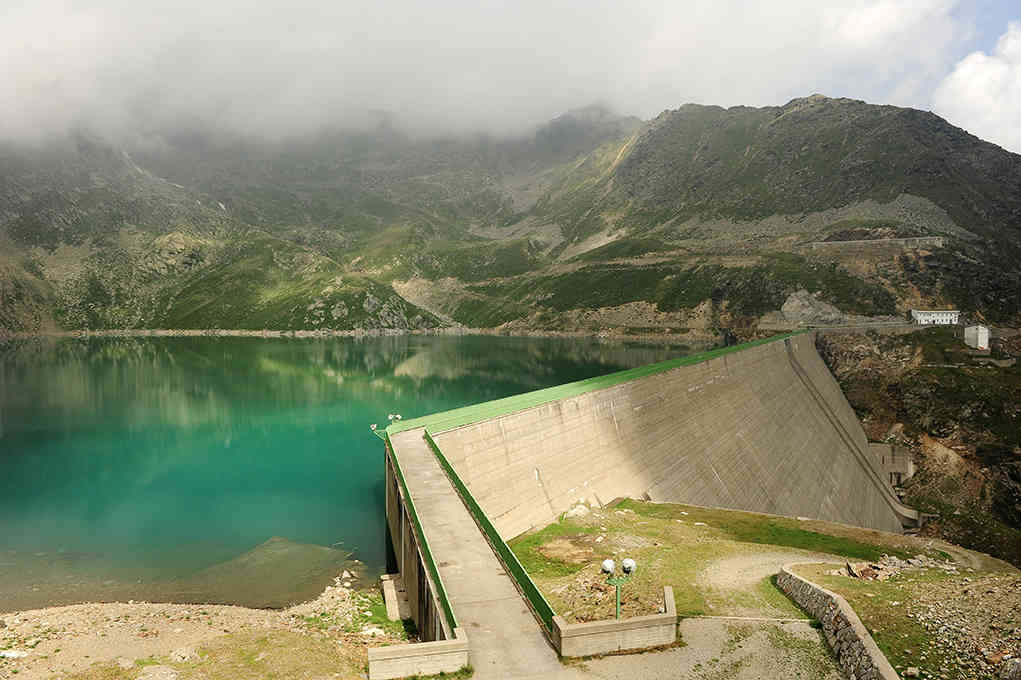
pixel 161 468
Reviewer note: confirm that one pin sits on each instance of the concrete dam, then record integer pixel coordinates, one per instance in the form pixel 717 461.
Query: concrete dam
pixel 762 427
pixel 765 428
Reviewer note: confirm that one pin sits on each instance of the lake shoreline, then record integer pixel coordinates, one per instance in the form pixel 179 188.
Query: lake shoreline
pixel 692 335
pixel 74 638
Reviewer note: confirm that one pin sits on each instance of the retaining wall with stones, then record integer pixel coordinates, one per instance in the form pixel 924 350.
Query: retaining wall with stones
pixel 607 637
pixel 856 651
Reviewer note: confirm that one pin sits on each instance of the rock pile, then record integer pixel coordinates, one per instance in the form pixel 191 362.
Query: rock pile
pixel 890 566
pixel 972 623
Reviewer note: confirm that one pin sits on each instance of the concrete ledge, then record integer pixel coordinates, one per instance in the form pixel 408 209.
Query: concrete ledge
pixel 607 637
pixel 856 651
pixel 423 658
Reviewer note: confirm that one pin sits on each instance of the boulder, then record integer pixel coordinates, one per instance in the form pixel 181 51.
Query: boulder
pixel 803 307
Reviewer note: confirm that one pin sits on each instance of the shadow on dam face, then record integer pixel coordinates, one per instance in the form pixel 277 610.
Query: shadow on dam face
pixel 763 428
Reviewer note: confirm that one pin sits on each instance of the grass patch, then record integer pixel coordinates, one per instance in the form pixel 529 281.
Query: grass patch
pixel 749 291
pixel 768 530
pixel 714 559
pixel 901 638
pixel 625 247
pixel 370 610
pixel 526 549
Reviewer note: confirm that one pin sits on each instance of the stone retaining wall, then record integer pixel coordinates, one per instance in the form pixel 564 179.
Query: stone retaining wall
pixel 856 651
pixel 607 637
pixel 423 658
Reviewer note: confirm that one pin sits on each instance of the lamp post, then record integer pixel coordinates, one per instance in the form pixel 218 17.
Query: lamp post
pixel 627 566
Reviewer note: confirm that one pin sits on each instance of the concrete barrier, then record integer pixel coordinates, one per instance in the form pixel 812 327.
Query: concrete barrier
pixel 423 658
pixel 765 429
pixel 846 635
pixel 610 636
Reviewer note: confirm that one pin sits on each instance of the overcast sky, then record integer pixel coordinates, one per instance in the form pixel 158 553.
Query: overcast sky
pixel 277 68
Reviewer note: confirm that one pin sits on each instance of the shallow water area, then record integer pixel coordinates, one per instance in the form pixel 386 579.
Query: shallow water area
pixel 224 469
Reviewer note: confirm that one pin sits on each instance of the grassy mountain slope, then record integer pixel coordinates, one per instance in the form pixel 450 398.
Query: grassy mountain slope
pixel 701 218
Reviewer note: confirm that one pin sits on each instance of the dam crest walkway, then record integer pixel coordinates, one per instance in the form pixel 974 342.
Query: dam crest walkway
pixel 504 638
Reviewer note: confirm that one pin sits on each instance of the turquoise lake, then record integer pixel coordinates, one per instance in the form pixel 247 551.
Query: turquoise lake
pixel 232 470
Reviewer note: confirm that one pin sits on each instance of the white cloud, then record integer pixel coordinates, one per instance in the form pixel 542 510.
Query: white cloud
pixel 983 93
pixel 280 67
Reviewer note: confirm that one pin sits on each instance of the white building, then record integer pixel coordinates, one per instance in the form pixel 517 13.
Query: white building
pixel 976 337
pixel 895 461
pixel 935 317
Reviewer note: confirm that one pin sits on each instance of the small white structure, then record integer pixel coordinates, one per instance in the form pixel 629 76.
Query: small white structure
pixel 935 317
pixel 976 337
pixel 895 461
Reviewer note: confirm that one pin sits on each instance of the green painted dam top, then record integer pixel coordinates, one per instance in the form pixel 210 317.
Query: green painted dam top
pixel 474 413
pixel 234 470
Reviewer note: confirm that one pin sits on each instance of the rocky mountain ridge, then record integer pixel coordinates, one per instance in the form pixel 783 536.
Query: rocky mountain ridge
pixel 698 221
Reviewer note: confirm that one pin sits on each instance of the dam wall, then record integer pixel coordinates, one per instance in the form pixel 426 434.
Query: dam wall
pixel 764 429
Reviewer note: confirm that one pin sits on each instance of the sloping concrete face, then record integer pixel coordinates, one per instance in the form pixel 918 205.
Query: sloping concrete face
pixel 766 429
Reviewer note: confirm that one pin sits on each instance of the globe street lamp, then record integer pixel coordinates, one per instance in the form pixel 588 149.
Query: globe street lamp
pixel 627 566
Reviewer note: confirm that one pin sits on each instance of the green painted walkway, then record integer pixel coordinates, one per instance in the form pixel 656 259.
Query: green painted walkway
pixel 504 638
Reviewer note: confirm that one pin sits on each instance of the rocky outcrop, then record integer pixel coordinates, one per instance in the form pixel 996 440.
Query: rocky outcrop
pixel 802 308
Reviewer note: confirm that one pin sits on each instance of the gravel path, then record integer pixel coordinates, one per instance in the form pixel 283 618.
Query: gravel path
pixel 717 649
pixel 741 572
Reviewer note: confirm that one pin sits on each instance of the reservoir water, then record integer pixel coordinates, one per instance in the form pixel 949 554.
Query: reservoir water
pixel 228 470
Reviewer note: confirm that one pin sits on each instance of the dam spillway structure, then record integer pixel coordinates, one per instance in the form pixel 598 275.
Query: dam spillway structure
pixel 761 427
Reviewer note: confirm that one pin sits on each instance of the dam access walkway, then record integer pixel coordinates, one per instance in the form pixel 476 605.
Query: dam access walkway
pixel 504 639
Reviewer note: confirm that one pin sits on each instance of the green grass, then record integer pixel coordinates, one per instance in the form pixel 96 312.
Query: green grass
pixel 477 261
pixel 890 626
pixel 487 312
pixel 526 549
pixel 748 290
pixel 268 283
pixel 373 603
pixel 678 545
pixel 768 530
pixel 625 247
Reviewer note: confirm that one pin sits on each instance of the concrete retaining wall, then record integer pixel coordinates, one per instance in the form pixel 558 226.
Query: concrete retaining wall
pixel 424 658
pixel 607 637
pixel 423 595
pixel 855 649
pixel 746 430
